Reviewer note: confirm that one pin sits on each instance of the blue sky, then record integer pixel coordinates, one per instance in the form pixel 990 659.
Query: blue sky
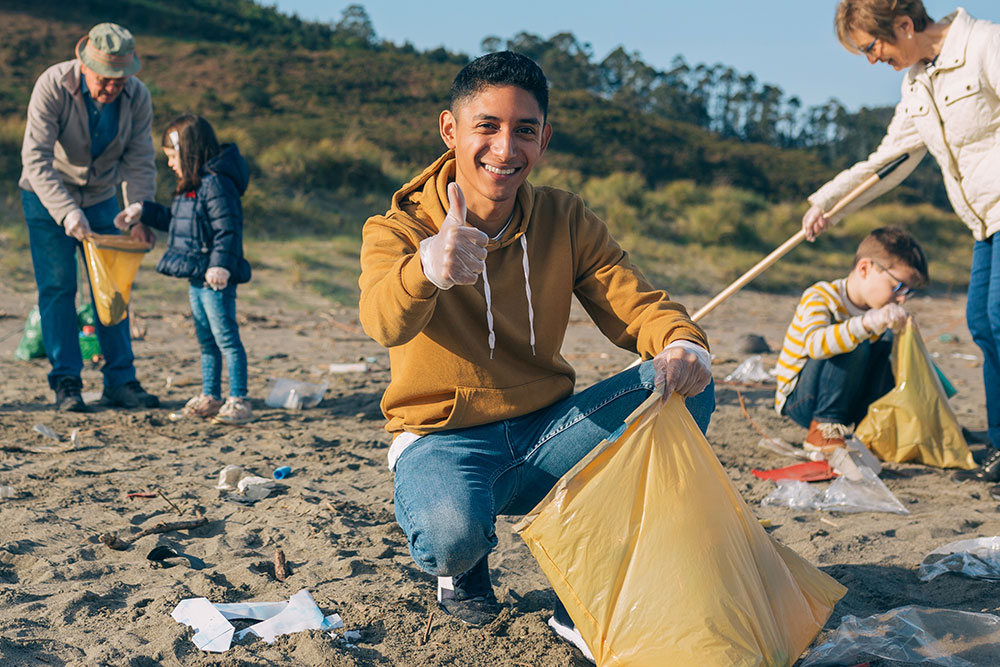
pixel 790 43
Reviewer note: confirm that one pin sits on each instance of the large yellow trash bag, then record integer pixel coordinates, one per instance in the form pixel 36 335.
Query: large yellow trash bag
pixel 660 562
pixel 914 421
pixel 112 262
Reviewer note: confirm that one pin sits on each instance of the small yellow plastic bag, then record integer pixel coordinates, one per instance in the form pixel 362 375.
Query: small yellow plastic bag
pixel 914 421
pixel 112 262
pixel 660 562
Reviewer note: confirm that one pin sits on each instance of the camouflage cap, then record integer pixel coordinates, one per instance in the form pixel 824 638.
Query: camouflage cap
pixel 109 50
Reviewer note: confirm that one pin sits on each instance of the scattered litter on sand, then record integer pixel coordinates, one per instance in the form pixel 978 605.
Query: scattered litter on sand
pixel 214 632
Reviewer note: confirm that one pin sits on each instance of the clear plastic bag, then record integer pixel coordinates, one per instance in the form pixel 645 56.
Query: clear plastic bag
pixel 750 369
pixel 913 635
pixel 293 394
pixel 867 494
pixel 978 558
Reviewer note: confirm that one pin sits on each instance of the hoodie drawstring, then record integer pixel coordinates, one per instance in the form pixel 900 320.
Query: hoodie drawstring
pixel 492 339
pixel 527 293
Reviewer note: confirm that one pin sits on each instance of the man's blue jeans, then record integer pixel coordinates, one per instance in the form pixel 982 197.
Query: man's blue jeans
pixel 839 389
pixel 982 312
pixel 450 486
pixel 214 314
pixel 53 256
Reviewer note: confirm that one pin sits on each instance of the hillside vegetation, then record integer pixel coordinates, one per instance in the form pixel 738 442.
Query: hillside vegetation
pixel 699 171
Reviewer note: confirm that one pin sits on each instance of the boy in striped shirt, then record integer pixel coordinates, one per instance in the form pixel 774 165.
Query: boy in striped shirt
pixel 835 358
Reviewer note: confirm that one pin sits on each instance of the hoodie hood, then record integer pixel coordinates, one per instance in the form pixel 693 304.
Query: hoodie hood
pixel 230 164
pixel 425 199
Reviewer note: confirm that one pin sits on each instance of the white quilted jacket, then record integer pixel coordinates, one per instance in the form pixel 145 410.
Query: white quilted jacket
pixel 952 110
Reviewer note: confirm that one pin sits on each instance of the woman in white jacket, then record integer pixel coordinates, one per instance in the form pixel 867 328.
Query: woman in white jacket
pixel 950 106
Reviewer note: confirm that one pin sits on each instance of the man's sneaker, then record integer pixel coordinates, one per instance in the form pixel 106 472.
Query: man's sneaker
pixel 563 626
pixel 469 596
pixel 203 406
pixel 824 437
pixel 995 492
pixel 68 396
pixel 988 470
pixel 129 395
pixel 235 412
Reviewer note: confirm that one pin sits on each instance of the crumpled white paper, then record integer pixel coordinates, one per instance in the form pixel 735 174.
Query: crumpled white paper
pixel 255 488
pixel 214 632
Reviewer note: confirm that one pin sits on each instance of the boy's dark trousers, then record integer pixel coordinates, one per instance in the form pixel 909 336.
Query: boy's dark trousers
pixel 840 389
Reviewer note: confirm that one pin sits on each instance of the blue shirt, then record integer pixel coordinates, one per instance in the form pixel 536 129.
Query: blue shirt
pixel 103 122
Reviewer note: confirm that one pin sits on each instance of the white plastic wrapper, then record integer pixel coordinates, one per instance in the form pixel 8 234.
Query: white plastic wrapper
pixel 978 558
pixel 913 635
pixel 750 370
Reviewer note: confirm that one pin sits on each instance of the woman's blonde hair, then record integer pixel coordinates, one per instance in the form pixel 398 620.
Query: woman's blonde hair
pixel 876 17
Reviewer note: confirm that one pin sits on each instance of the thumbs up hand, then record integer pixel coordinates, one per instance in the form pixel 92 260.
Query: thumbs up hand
pixel 456 255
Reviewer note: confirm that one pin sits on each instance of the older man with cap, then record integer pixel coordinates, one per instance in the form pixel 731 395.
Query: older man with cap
pixel 89 129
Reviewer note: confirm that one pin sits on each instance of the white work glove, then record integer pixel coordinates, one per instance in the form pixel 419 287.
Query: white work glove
pixel 814 222
pixel 456 255
pixel 125 219
pixel 217 277
pixel 889 316
pixel 679 368
pixel 76 225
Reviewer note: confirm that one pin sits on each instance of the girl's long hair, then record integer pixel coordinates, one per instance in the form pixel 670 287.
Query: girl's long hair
pixel 194 140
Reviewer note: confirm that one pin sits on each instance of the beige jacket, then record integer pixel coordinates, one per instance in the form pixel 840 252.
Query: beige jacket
pixel 56 152
pixel 953 110
pixel 476 354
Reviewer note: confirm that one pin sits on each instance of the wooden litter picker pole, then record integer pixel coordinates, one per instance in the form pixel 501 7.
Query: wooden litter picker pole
pixel 800 236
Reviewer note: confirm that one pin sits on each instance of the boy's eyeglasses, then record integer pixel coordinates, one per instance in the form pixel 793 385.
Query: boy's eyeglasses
pixel 901 288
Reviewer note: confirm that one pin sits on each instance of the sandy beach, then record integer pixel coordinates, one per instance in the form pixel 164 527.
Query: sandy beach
pixel 67 599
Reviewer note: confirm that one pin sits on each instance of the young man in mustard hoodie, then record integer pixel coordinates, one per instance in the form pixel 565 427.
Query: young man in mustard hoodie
pixel 468 280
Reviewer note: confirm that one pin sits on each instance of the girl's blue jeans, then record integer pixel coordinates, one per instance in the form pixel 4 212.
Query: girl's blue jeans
pixel 53 257
pixel 450 486
pixel 214 314
pixel 982 312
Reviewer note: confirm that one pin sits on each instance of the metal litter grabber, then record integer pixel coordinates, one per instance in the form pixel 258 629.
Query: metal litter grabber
pixel 799 236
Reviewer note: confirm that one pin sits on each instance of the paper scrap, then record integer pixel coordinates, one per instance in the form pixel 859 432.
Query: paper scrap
pixel 255 488
pixel 214 632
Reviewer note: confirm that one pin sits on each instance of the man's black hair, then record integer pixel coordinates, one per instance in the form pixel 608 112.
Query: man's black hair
pixel 503 68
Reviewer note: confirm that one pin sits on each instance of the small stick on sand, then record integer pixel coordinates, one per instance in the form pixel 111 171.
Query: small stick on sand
pixel 280 566
pixel 164 496
pixel 112 540
pixel 138 494
pixel 427 629
pixel 829 523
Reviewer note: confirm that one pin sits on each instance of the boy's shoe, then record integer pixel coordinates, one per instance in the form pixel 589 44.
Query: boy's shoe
pixel 129 395
pixel 563 626
pixel 995 492
pixel 469 596
pixel 988 470
pixel 203 406
pixel 235 412
pixel 68 396
pixel 824 437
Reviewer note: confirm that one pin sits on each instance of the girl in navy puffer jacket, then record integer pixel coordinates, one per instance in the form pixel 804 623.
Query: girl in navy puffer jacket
pixel 205 225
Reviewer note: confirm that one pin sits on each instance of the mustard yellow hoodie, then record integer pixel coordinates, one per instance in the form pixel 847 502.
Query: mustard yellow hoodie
pixel 452 365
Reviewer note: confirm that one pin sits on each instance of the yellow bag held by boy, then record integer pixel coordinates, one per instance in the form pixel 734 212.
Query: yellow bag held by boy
pixel 914 421
pixel 112 262
pixel 659 561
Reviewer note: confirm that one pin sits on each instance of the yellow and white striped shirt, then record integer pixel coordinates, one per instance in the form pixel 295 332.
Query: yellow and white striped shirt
pixel 826 324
